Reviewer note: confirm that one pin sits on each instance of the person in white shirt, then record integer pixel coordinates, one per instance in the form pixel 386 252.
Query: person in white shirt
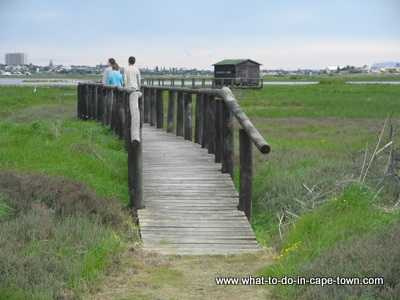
pixel 108 70
pixel 132 75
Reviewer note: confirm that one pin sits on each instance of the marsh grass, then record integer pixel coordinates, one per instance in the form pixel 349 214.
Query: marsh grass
pixel 63 196
pixel 322 101
pixel 62 146
pixel 16 98
pixel 336 222
pixel 56 235
pixel 355 258
pixel 314 132
pixel 304 202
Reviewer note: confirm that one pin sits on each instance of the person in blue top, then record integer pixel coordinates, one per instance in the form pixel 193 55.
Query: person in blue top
pixel 115 78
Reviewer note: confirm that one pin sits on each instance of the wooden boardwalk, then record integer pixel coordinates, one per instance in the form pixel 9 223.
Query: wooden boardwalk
pixel 190 206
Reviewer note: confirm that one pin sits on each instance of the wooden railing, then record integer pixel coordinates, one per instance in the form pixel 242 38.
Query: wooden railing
pixel 212 126
pixel 198 82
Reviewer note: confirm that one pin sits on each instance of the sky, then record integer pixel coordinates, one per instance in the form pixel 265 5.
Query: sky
pixel 288 34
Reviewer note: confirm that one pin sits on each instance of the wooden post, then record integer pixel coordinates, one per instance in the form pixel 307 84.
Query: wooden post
pixel 188 117
pixel 171 111
pixel 204 135
pixel 146 101
pixel 100 105
pixel 122 99
pixel 180 115
pixel 159 109
pixel 198 119
pixel 104 106
pixel 95 102
pixel 153 109
pixel 135 118
pixel 211 125
pixel 135 163
pixel 110 105
pixel 218 130
pixel 246 173
pixel 80 100
pixel 227 156
pixel 115 122
pixel 89 103
pixel 86 103
pixel 114 109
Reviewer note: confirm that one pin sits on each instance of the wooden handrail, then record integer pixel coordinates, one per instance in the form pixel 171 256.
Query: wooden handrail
pixel 125 111
pixel 226 94
pixel 122 110
pixel 203 82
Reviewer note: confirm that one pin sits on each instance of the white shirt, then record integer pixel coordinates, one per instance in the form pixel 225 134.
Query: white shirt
pixel 132 77
pixel 107 72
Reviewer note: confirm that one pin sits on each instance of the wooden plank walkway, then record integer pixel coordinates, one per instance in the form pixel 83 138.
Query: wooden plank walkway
pixel 190 206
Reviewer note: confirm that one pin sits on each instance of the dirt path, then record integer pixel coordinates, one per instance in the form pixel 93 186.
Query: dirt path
pixel 151 276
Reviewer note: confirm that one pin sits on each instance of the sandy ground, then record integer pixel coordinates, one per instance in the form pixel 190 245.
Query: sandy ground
pixel 143 275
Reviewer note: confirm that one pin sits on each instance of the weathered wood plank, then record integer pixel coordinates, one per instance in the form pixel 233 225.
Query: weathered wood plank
pixel 199 241
pixel 190 206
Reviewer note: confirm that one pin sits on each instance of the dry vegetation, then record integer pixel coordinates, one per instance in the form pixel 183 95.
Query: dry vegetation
pixel 145 275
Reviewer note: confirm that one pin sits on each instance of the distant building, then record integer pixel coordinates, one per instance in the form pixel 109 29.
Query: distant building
pixel 16 59
pixel 237 72
pixel 333 69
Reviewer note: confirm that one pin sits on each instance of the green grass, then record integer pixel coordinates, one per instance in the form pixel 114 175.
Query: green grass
pixel 336 222
pixel 79 150
pixel 15 98
pixel 321 101
pixel 342 77
pixel 63 190
pixel 318 135
pixel 44 135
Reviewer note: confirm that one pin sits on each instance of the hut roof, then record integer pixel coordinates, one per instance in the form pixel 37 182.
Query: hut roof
pixel 234 62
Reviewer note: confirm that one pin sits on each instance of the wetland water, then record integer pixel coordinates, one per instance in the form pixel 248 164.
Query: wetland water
pixel 40 81
pixel 74 82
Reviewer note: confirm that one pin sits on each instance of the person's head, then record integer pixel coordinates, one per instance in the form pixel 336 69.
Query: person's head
pixel 132 60
pixel 115 67
pixel 111 61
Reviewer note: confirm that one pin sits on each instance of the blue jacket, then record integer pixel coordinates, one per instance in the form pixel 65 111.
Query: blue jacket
pixel 115 78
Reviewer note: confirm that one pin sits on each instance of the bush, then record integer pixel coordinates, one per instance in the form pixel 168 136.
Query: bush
pixel 56 236
pixel 376 254
pixel 64 197
pixel 339 221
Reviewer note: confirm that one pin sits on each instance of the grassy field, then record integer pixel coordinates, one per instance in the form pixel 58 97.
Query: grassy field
pixel 326 198
pixel 315 196
pixel 293 78
pixel 344 77
pixel 63 196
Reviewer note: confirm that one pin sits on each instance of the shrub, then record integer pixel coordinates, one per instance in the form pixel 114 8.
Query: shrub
pixel 56 236
pixel 63 196
pixel 376 254
pixel 340 220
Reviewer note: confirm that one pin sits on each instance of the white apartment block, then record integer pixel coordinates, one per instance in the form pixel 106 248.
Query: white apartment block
pixel 16 59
